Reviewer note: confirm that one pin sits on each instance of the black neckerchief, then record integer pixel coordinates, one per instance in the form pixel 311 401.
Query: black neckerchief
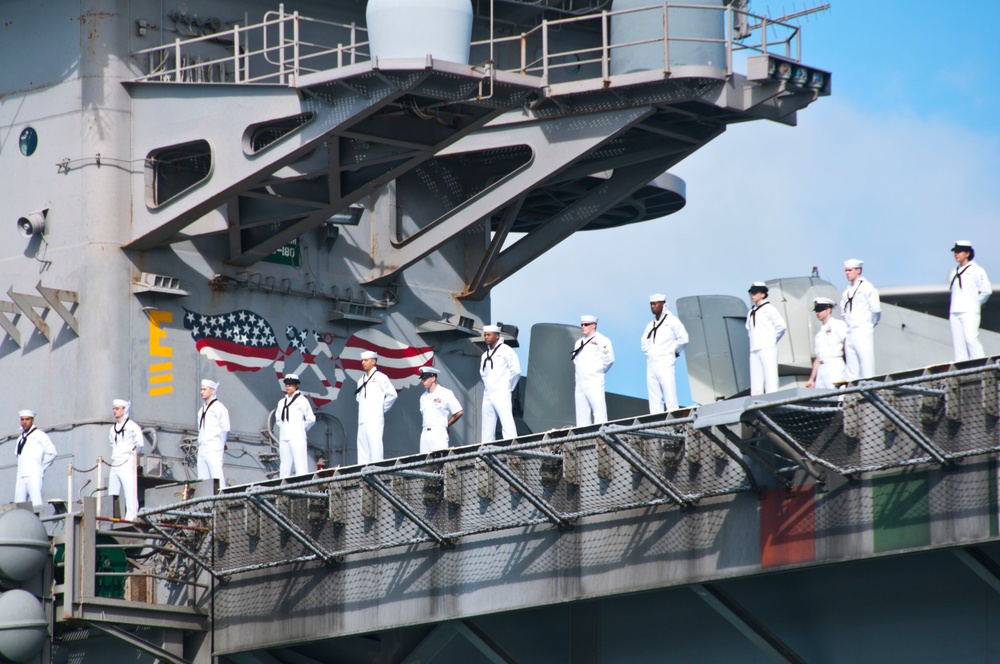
pixel 958 275
pixel 849 306
pixel 120 432
pixel 753 312
pixel 583 344
pixel 656 326
pixel 288 402
pixel 364 385
pixel 24 438
pixel 490 354
pixel 204 411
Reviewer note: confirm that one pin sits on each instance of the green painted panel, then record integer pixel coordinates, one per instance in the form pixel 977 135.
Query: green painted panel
pixel 900 513
pixel 286 254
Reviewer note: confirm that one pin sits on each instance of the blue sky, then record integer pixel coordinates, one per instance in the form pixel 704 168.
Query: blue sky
pixel 901 160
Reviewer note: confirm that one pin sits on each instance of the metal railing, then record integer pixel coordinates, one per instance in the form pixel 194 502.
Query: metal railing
pixel 938 417
pixel 277 50
pixel 273 51
pixel 102 571
pixel 549 59
pixel 935 417
pixel 555 478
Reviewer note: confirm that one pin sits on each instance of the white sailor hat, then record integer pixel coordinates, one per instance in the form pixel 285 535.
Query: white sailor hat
pixel 26 413
pixel 120 402
pixel 962 245
pixel 291 378
pixel 209 383
pixel 657 297
pixel 757 287
pixel 587 318
pixel 822 303
pixel 853 263
pixel 495 329
pixel 369 355
pixel 428 371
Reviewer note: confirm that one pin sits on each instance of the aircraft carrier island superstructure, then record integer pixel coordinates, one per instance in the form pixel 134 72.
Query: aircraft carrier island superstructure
pixel 237 191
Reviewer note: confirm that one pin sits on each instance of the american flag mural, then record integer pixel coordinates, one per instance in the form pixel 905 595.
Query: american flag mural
pixel 317 362
pixel 401 363
pixel 244 341
pixel 238 340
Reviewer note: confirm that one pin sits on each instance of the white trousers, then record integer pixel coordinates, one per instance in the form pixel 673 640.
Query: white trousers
pixel 764 370
pixel 859 351
pixel 591 408
pixel 497 404
pixel 829 373
pixel 293 453
pixel 433 439
pixel 370 442
pixel 210 466
pixel 28 487
pixel 661 384
pixel 965 336
pixel 122 482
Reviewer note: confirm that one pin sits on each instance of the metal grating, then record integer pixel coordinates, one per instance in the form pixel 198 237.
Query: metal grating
pixel 937 417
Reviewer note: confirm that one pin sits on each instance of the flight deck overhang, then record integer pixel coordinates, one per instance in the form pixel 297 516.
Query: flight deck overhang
pixel 637 505
pixel 340 134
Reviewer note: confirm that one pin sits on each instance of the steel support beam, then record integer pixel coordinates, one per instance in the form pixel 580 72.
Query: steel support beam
pixel 435 643
pixel 918 437
pixel 501 469
pixel 557 144
pixel 496 244
pixel 133 640
pixel 183 549
pixel 622 183
pixel 293 530
pixel 626 452
pixel 376 483
pixel 747 624
pixel 795 450
pixel 981 564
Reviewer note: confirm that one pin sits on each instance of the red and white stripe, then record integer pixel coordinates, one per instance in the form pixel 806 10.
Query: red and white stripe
pixel 237 357
pixel 401 363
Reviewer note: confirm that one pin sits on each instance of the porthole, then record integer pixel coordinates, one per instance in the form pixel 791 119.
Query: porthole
pixel 28 141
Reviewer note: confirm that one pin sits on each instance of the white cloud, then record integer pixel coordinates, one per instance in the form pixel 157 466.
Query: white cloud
pixel 767 201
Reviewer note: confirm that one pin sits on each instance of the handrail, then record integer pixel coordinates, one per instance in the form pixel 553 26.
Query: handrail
pixel 277 52
pixel 280 70
pixel 561 476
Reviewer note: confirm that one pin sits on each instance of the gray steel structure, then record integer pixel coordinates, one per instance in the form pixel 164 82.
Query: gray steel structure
pixel 170 152
pixel 717 527
pixel 223 190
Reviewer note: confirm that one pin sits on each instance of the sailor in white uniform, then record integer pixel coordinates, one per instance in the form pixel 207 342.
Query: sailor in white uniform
pixel 126 443
pixel 500 370
pixel 375 395
pixel 662 341
pixel 439 409
pixel 862 310
pixel 35 453
pixel 970 288
pixel 592 357
pixel 295 417
pixel 765 327
pixel 213 430
pixel 828 369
